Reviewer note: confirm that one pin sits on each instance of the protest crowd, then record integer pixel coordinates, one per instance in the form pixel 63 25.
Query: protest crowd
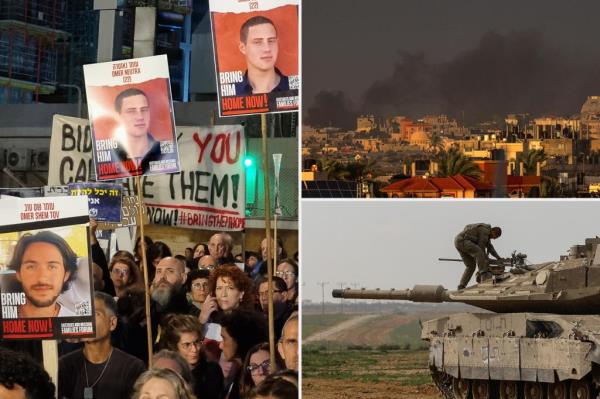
pixel 209 328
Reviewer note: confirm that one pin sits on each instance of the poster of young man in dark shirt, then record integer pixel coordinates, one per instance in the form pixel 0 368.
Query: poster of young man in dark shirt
pixel 256 56
pixel 131 113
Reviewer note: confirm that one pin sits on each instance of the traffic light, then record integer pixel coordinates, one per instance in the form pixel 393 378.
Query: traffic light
pixel 251 181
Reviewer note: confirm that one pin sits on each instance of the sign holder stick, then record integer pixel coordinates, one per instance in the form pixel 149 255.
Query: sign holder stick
pixel 265 164
pixel 140 219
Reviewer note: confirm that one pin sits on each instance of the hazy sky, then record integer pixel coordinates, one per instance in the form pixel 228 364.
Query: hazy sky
pixel 351 45
pixel 396 244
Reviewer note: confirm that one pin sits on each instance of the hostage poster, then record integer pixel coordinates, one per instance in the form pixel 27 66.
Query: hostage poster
pixel 256 55
pixel 45 275
pixel 131 116
pixel 208 193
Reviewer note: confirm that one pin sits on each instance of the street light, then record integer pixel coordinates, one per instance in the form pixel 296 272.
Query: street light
pixel 70 86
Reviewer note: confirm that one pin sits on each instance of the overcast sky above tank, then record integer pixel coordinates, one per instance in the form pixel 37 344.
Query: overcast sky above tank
pixel 396 244
pixel 348 45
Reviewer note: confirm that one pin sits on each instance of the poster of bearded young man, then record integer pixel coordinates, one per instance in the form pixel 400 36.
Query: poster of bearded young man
pixel 45 274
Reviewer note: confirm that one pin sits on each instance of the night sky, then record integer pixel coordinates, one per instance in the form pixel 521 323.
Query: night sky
pixel 480 59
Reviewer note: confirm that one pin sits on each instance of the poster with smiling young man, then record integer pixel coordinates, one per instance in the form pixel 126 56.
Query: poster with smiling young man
pixel 256 55
pixel 132 119
pixel 45 274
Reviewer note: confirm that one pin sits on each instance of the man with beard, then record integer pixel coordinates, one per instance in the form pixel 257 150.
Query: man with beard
pixel 281 307
pixel 168 291
pixel 99 370
pixel 45 266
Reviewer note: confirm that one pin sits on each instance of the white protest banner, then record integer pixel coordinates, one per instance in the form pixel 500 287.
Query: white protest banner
pixel 45 231
pixel 209 192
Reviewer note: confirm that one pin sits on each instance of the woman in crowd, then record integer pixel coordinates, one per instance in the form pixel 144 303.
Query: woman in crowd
pixel 182 334
pixel 230 289
pixel 197 288
pixel 125 275
pixel 163 384
pixel 240 331
pixel 288 271
pixel 256 367
pixel 200 250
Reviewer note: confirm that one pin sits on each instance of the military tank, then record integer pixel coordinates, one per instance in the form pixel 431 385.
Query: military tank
pixel 540 338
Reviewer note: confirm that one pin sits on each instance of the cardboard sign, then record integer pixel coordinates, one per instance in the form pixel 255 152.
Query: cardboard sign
pixel 208 193
pixel 46 284
pixel 131 113
pixel 256 55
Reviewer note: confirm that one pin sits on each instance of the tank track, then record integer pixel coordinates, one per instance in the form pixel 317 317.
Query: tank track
pixel 443 382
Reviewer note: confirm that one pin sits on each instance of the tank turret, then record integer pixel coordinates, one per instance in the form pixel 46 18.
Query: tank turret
pixel 542 341
pixel 566 286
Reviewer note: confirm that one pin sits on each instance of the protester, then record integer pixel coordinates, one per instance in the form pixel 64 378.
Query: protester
pixel 197 288
pixel 183 333
pixel 21 377
pixel 240 331
pixel 200 250
pixel 207 262
pixel 162 384
pixel 99 258
pixel 228 286
pixel 282 309
pixel 287 269
pixel 125 276
pixel 168 359
pixel 220 246
pixel 168 291
pixel 256 367
pixel 252 259
pixel 99 370
pixel 288 343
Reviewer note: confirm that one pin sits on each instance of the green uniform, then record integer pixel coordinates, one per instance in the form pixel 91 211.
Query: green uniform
pixel 474 244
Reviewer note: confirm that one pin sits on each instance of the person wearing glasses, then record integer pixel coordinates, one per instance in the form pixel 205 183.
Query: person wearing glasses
pixel 256 367
pixel 197 289
pixel 125 276
pixel 207 262
pixel 240 331
pixel 183 334
pixel 282 309
pixel 287 269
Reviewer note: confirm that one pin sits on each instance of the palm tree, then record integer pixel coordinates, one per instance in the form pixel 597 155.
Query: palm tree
pixel 531 159
pixel 335 170
pixel 359 169
pixel 436 143
pixel 454 163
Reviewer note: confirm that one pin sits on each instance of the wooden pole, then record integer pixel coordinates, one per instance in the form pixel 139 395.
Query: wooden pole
pixel 140 218
pixel 265 163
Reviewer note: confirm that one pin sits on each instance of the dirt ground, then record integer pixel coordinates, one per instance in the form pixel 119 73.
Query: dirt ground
pixel 318 388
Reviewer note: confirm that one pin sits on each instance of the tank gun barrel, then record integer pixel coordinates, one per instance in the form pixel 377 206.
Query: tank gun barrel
pixel 419 293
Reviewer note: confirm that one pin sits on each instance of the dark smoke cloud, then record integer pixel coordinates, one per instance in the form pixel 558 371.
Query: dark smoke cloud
pixel 506 73
pixel 331 108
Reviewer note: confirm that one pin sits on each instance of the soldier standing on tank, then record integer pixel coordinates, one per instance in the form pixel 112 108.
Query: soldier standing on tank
pixel 472 244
